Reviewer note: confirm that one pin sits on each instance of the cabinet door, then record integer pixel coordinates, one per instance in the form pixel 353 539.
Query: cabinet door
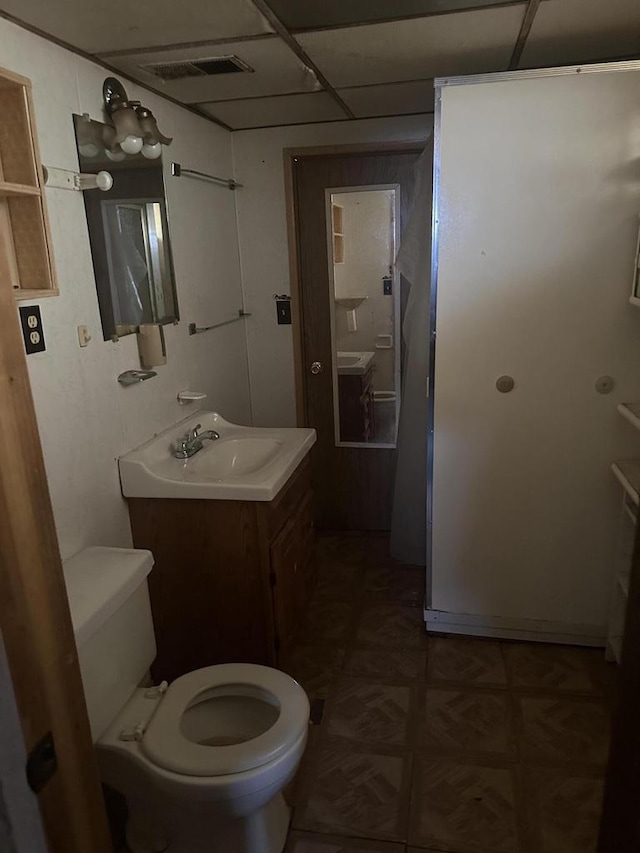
pixel 291 572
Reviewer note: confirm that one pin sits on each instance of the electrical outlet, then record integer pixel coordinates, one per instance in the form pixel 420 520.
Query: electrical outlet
pixel 32 333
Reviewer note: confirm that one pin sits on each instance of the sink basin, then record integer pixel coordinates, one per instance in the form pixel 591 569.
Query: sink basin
pixel 353 363
pixel 235 457
pixel 346 359
pixel 245 463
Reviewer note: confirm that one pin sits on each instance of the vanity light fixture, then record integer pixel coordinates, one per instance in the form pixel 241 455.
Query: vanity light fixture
pixel 135 129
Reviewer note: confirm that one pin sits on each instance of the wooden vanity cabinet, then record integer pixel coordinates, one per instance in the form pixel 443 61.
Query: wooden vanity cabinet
pixel 355 394
pixel 231 578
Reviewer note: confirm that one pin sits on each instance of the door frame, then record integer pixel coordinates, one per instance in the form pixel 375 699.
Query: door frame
pixel 290 155
pixel 35 621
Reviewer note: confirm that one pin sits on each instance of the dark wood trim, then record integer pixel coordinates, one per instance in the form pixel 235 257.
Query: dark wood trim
pixel 263 7
pixel 295 291
pixel 297 318
pixel 328 121
pixel 259 98
pixel 185 45
pixel 34 617
pixel 525 28
pixel 355 148
pixel 428 80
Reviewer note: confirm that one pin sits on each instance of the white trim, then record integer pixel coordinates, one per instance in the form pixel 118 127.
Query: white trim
pixel 510 628
pixel 533 73
pixel 433 300
pixel 328 195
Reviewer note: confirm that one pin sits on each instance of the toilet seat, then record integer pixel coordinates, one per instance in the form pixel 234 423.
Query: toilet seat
pixel 165 743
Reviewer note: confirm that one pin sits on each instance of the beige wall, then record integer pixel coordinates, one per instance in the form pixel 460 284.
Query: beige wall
pixel 258 158
pixel 86 419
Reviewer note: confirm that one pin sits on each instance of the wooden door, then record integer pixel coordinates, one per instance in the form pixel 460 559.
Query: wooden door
pixel 34 616
pixel 353 485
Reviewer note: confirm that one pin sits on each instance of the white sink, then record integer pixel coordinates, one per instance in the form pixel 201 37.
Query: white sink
pixel 245 463
pixel 353 363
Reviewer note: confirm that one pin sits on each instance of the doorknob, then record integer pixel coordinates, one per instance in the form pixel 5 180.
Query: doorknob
pixel 316 367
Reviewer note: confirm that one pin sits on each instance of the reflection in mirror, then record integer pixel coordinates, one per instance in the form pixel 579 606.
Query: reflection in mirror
pixel 128 234
pixel 134 238
pixel 362 235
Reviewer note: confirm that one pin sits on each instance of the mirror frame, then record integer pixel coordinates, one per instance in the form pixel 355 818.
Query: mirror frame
pixel 397 308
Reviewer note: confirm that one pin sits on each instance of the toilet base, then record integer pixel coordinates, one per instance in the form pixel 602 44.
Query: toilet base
pixel 263 831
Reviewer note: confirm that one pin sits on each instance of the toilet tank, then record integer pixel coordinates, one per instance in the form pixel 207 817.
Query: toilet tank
pixel 111 615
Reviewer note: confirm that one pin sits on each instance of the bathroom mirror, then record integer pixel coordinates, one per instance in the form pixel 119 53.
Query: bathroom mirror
pixel 128 234
pixel 362 234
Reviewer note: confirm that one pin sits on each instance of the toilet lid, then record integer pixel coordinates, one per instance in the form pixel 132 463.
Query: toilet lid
pixel 226 719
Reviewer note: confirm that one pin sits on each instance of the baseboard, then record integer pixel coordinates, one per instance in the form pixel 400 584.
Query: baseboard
pixel 507 628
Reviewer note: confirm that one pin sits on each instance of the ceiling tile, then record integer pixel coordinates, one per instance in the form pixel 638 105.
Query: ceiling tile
pixel 569 31
pixel 390 99
pixel 309 14
pixel 276 71
pixel 265 112
pixel 461 43
pixel 96 26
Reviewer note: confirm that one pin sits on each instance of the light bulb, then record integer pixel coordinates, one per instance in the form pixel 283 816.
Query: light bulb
pixel 115 154
pixel 88 149
pixel 104 181
pixel 152 151
pixel 101 181
pixel 132 144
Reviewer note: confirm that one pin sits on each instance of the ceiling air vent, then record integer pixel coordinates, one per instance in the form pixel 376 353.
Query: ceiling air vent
pixel 179 69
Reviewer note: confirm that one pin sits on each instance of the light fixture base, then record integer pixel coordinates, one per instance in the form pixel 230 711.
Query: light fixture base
pixel 114 94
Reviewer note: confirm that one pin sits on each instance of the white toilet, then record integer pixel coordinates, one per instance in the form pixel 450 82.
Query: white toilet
pixel 201 762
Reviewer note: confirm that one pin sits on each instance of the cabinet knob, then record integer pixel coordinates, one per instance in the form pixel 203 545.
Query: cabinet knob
pixel 316 367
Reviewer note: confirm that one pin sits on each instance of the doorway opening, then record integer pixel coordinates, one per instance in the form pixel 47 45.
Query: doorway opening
pixel 347 208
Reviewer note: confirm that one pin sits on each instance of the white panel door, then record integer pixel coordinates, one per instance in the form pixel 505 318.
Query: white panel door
pixel 538 218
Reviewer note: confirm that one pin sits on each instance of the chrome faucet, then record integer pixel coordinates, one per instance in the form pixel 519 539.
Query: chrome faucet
pixel 191 442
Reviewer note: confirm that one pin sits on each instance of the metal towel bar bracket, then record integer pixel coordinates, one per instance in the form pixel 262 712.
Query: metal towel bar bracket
pixel 179 171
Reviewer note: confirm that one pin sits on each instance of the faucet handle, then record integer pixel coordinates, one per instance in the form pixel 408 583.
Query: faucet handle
pixel 181 444
pixel 193 433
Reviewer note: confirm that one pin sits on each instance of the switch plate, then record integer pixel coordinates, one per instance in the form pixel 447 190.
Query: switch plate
pixel 387 286
pixel 283 309
pixel 83 336
pixel 32 333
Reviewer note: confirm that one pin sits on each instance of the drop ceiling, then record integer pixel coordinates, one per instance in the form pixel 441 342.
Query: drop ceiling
pixel 330 60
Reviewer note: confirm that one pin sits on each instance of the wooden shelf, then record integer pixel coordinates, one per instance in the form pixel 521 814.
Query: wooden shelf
pixel 337 229
pixel 631 412
pixel 9 189
pixel 350 302
pixel 26 262
pixel 628 474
